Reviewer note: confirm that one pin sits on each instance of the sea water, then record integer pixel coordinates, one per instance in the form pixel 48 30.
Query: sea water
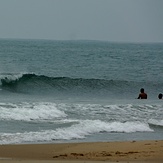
pixel 79 91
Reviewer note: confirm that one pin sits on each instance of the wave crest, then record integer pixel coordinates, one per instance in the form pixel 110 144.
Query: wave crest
pixel 32 83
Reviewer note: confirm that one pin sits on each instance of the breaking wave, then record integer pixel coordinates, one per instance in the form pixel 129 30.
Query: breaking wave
pixel 32 83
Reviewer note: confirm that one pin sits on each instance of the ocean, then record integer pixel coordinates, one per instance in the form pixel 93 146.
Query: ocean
pixel 79 91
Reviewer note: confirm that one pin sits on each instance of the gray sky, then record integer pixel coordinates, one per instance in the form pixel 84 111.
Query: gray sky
pixel 112 20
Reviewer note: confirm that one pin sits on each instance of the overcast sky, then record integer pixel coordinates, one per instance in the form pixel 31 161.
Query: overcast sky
pixel 111 20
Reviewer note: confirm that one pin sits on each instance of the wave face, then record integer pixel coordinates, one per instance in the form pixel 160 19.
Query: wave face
pixel 32 82
pixel 40 84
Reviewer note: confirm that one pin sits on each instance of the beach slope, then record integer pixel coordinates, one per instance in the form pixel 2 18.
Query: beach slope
pixel 131 151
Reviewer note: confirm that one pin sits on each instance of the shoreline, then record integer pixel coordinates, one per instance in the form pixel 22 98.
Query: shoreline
pixel 128 151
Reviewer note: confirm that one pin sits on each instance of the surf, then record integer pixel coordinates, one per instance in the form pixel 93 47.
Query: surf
pixel 34 84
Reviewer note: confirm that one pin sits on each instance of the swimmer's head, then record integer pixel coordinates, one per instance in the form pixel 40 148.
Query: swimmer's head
pixel 160 96
pixel 142 90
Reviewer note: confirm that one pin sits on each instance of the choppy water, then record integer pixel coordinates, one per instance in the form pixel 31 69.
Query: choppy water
pixel 68 91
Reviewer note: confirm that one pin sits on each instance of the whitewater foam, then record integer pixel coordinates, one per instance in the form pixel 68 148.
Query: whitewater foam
pixel 11 76
pixel 30 111
pixel 48 121
pixel 156 122
pixel 77 131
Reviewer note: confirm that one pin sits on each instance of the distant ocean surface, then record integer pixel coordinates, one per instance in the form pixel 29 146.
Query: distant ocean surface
pixel 79 91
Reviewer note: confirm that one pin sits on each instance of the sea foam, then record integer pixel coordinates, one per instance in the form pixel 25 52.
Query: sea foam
pixel 76 131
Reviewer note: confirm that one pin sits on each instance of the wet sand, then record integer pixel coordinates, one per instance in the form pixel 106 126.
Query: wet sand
pixel 99 152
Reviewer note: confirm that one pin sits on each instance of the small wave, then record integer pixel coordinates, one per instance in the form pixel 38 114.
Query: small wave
pixel 155 122
pixel 76 131
pixel 30 111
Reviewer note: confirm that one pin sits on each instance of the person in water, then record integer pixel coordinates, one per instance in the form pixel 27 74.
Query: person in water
pixel 142 94
pixel 160 96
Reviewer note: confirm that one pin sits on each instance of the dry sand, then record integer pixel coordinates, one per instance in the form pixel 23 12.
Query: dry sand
pixel 98 152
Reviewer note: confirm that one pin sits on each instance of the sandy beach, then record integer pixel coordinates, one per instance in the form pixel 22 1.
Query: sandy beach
pixel 130 152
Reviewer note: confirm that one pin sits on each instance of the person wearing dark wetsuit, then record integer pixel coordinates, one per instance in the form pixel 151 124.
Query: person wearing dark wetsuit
pixel 142 94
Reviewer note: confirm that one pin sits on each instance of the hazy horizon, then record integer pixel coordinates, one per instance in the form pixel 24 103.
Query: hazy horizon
pixel 105 20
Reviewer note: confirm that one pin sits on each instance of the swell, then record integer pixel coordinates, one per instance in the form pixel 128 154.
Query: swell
pixel 30 83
